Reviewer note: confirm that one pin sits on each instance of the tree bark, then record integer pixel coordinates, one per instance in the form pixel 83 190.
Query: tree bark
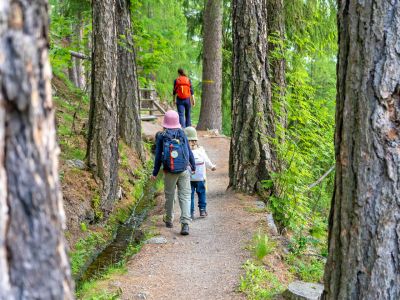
pixel 252 157
pixel 276 34
pixel 128 86
pixel 33 259
pixel 102 152
pixel 210 112
pixel 364 226
pixel 79 67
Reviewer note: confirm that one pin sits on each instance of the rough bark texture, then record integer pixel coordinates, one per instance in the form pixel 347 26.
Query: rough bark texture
pixel 276 33
pixel 251 155
pixel 211 112
pixel 103 116
pixel 33 259
pixel 128 86
pixel 364 229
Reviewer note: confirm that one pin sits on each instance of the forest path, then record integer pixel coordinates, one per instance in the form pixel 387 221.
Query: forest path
pixel 207 263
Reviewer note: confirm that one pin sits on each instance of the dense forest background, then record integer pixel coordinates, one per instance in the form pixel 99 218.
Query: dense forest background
pixel 168 35
pixel 303 98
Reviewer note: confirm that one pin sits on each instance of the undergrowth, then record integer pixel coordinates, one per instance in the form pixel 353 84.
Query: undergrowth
pixel 259 283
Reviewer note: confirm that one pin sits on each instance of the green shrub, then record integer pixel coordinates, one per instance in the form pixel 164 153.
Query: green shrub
pixel 258 283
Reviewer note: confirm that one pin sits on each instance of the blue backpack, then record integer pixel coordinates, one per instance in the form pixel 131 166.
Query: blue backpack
pixel 175 151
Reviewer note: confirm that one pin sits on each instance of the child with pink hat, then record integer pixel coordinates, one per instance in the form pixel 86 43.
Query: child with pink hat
pixel 174 154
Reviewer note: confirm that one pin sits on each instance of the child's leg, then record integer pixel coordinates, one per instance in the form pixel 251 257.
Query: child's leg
pixel 193 186
pixel 201 192
pixel 170 181
pixel 184 191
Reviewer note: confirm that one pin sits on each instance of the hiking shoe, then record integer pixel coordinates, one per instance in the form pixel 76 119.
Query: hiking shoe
pixel 203 213
pixel 185 229
pixel 168 224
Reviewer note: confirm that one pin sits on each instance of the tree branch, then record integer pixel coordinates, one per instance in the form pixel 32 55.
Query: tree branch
pixel 79 55
pixel 322 177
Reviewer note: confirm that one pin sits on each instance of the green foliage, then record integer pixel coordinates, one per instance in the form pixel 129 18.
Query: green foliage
pixel 64 17
pixel 160 33
pixel 83 227
pixel 262 245
pixel 96 204
pixel 258 283
pixel 84 249
pixel 310 269
pixel 305 147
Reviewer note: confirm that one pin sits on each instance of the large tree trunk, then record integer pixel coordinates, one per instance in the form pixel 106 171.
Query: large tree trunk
pixel 276 40
pixel 252 158
pixel 128 86
pixel 33 259
pixel 103 117
pixel 210 112
pixel 364 227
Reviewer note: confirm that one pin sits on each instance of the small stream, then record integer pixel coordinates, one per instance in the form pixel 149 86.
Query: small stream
pixel 127 234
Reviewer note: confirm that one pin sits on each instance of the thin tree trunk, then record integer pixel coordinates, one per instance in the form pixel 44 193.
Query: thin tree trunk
pixel 252 158
pixel 102 152
pixel 364 226
pixel 79 67
pixel 128 86
pixel 276 40
pixel 210 112
pixel 33 259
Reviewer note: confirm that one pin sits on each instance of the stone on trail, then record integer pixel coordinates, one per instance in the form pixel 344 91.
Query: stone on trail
pixel 157 240
pixel 260 204
pixel 76 163
pixel 299 290
pixel 141 295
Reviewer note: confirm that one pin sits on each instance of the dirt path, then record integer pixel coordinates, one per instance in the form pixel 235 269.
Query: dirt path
pixel 207 263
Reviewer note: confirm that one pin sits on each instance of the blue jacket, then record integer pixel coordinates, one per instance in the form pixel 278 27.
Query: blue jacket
pixel 159 150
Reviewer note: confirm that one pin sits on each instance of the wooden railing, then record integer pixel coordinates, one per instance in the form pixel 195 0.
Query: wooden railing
pixel 150 107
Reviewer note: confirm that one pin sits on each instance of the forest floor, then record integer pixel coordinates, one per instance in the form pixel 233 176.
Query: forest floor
pixel 207 264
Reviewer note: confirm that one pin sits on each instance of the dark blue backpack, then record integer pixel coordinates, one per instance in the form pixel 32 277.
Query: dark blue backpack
pixel 175 151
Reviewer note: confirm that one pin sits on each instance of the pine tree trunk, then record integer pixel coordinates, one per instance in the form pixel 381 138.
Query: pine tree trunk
pixel 33 259
pixel 103 117
pixel 364 227
pixel 276 35
pixel 252 158
pixel 128 86
pixel 210 112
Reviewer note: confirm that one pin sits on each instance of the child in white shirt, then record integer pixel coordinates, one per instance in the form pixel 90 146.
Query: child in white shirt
pixel 198 178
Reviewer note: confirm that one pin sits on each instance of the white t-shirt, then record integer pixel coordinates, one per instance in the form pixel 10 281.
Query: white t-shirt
pixel 202 162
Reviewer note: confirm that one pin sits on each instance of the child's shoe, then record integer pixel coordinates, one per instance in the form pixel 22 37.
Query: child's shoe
pixel 203 213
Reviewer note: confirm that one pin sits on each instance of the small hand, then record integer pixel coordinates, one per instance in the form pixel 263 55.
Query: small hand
pixel 152 177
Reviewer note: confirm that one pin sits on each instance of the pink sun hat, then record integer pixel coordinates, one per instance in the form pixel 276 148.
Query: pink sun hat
pixel 171 120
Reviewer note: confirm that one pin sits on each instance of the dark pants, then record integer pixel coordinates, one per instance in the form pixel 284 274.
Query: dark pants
pixel 183 106
pixel 200 188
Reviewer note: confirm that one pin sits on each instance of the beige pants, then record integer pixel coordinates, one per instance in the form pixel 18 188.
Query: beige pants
pixel 171 182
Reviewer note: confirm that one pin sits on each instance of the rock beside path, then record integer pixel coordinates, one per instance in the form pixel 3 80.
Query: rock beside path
pixel 157 240
pixel 76 163
pixel 299 290
pixel 271 224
